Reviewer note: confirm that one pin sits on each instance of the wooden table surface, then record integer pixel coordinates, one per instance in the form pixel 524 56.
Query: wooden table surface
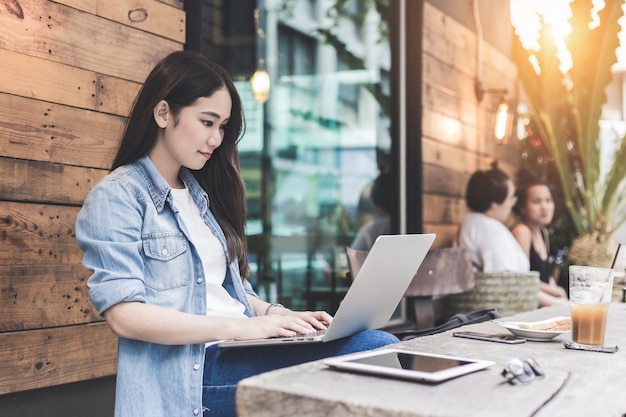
pixel 577 383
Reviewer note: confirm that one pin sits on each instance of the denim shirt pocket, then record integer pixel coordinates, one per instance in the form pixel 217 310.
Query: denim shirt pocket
pixel 165 268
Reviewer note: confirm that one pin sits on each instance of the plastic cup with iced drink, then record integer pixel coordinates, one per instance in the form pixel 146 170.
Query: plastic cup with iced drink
pixel 590 291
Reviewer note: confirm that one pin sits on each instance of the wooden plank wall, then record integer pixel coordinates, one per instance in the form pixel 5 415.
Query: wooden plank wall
pixel 455 126
pixel 69 71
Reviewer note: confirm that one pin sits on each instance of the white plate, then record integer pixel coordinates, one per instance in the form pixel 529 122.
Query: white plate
pixel 528 334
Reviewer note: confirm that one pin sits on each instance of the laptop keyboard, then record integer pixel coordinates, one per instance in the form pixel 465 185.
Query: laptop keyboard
pixel 308 336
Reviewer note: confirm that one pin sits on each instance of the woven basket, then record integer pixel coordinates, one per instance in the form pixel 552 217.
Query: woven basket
pixel 509 292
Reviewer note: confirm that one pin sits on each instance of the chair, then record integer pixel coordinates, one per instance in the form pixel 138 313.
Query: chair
pixel 444 271
pixel 337 279
pixel 355 259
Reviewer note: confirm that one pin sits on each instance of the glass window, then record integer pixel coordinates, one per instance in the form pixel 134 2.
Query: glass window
pixel 312 152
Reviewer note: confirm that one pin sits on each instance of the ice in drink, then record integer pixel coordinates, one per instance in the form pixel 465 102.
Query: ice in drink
pixel 588 323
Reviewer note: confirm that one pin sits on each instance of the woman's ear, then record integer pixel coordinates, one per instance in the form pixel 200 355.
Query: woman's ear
pixel 161 113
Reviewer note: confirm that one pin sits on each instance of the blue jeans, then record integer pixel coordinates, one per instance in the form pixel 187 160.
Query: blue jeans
pixel 225 367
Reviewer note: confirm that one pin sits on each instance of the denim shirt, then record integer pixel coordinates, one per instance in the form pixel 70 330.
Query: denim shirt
pixel 139 250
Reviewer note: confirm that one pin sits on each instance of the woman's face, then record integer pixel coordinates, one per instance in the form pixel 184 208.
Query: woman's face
pixel 190 138
pixel 503 211
pixel 539 207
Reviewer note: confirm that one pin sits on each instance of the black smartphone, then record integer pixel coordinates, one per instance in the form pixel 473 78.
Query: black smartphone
pixel 500 337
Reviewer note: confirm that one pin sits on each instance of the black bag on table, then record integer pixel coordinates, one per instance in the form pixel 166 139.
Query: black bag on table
pixel 455 321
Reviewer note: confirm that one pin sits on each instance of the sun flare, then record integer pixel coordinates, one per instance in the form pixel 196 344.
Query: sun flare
pixel 525 17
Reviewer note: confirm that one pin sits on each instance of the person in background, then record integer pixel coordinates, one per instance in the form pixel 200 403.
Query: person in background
pixel 164 234
pixel 490 195
pixel 382 198
pixel 535 209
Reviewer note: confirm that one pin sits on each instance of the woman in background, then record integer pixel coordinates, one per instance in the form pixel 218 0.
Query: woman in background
pixel 535 208
pixel 490 196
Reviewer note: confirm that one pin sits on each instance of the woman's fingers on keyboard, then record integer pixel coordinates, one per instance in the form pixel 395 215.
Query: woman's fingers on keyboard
pixel 316 319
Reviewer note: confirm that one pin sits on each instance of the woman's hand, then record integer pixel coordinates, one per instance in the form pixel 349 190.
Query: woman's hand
pixel 281 322
pixel 317 319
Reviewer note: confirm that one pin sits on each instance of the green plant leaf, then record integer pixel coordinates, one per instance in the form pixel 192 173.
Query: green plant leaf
pixel 547 96
pixel 567 108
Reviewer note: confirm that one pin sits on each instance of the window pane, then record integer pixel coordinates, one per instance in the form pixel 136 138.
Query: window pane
pixel 312 151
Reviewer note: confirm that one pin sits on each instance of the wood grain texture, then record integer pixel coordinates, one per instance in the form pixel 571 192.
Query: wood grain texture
pixel 38 234
pixel 443 48
pixel 446 233
pixel 46 357
pixel 116 96
pixel 38 182
pixel 44 296
pixel 450 130
pixel 43 131
pixel 65 35
pixel 449 30
pixel 444 209
pixel 180 4
pixel 45 80
pixel 436 152
pixel 438 180
pixel 148 15
pixel 448 102
pixel 436 72
pixel 88 6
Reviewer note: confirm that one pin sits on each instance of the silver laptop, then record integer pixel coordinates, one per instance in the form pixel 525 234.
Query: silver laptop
pixel 374 294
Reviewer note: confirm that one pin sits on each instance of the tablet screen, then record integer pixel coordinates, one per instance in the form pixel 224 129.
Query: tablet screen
pixel 411 361
pixel 419 366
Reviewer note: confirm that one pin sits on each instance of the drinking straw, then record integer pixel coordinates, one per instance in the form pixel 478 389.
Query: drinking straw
pixel 619 245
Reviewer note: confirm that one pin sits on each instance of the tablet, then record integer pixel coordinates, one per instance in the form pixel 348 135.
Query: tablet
pixel 406 364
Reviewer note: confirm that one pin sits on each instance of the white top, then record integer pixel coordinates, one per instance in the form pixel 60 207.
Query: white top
pixel 219 302
pixel 491 244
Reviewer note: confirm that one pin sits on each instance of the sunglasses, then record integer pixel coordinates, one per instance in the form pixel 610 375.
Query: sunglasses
pixel 522 370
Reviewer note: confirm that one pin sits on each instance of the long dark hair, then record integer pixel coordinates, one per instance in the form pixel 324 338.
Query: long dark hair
pixel 486 187
pixel 180 79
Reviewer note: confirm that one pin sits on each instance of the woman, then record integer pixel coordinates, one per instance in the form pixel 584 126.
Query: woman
pixel 535 208
pixel 490 196
pixel 164 234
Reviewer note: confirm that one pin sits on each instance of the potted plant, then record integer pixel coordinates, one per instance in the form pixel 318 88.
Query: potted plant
pixel 565 108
